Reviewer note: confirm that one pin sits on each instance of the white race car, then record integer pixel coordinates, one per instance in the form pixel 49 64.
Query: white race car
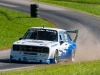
pixel 44 45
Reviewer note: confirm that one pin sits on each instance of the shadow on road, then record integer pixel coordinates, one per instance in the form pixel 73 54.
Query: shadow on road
pixel 5 60
pixel 7 64
pixel 15 62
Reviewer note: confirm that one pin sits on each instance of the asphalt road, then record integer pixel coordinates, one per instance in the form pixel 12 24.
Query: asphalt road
pixel 88 25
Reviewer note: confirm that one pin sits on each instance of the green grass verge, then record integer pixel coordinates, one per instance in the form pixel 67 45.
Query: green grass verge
pixel 83 68
pixel 82 1
pixel 88 6
pixel 13 25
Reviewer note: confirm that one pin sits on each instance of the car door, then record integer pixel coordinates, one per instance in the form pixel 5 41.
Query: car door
pixel 63 40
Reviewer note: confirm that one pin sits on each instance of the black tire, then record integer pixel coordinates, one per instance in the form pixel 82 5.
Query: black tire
pixel 72 58
pixel 56 57
pixel 12 61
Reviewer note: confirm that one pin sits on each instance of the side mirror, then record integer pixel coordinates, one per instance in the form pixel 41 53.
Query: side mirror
pixel 61 42
pixel 20 38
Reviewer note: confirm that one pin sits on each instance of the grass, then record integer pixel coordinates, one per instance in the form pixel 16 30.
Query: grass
pixel 82 1
pixel 83 68
pixel 88 6
pixel 14 24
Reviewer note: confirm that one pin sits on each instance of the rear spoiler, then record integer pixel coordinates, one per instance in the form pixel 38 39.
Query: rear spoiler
pixel 73 31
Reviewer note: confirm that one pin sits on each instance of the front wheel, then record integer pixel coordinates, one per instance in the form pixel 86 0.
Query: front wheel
pixel 56 57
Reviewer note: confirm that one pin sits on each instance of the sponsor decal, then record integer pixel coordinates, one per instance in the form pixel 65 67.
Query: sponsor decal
pixel 36 41
pixel 54 45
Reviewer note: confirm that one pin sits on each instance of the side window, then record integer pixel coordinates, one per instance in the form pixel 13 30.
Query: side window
pixel 66 37
pixel 61 37
pixel 69 38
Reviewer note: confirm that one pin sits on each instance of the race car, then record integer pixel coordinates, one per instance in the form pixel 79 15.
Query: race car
pixel 44 45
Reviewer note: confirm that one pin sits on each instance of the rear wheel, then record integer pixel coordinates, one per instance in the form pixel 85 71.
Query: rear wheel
pixel 72 58
pixel 56 57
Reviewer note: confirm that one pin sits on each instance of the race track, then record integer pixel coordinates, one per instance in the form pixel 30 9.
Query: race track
pixel 88 25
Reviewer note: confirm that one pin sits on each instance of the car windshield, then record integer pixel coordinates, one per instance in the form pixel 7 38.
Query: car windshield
pixel 41 34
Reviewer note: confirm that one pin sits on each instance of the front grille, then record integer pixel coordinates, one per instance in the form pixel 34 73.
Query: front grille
pixel 37 49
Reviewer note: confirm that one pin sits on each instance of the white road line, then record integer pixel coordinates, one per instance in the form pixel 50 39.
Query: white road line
pixel 8 5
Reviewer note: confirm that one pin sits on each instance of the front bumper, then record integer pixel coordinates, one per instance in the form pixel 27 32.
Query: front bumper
pixel 47 61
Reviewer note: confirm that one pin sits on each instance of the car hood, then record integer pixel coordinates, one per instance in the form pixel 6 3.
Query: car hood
pixel 36 42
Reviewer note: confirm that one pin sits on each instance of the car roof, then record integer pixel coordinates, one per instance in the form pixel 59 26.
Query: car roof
pixel 57 29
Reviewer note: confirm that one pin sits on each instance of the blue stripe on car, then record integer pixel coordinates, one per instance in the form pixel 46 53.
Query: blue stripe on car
pixel 68 51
